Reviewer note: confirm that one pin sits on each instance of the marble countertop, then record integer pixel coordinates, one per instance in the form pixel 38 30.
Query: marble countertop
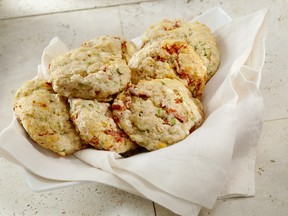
pixel 26 27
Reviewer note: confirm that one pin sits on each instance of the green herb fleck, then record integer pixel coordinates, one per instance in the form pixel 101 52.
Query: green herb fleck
pixel 159 113
pixel 118 71
pixel 143 130
pixel 81 85
pixel 173 121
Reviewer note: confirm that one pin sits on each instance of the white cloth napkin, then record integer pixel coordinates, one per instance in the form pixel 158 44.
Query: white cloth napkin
pixel 217 160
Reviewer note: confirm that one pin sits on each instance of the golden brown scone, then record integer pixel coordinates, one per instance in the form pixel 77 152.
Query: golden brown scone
pixel 44 116
pixel 89 73
pixel 157 113
pixel 196 34
pixel 94 122
pixel 170 59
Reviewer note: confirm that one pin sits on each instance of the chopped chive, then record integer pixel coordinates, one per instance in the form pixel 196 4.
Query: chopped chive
pixel 118 71
pixel 159 113
pixel 173 121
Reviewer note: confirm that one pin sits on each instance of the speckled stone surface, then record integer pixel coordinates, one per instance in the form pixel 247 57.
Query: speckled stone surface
pixel 26 27
pixel 18 8
pixel 89 199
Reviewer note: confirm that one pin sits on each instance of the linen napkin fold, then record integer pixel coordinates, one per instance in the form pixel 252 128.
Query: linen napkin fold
pixel 240 180
pixel 216 160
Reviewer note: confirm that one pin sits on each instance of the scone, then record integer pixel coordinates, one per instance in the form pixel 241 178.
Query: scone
pixel 157 113
pixel 93 120
pixel 116 45
pixel 44 116
pixel 169 59
pixel 196 34
pixel 89 74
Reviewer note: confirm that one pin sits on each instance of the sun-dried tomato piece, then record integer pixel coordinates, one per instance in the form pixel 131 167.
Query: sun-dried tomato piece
pixel 49 84
pixel 116 119
pixel 178 100
pixel 117 135
pixel 174 48
pixel 117 107
pixel 94 141
pixel 185 75
pixel 177 115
